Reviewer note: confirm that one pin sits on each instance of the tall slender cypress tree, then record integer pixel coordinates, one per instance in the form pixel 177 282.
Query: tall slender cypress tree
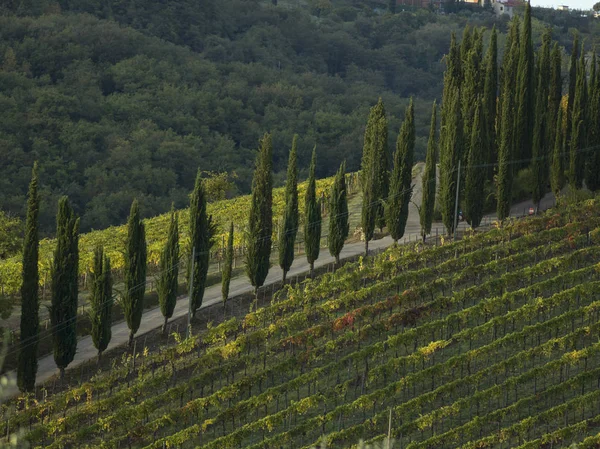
pixel 468 95
pixel 490 90
pixel 475 173
pixel 592 177
pixel 202 230
pixel 429 178
pixel 135 270
pixel 63 311
pixel 101 302
pixel 287 237
pixel 508 70
pixel 401 190
pixel 554 92
pixel 260 225
pixel 525 92
pixel 450 155
pixel 312 216
pixel 338 217
pixel 168 281
pixel 506 149
pixel 573 69
pixel 541 150
pixel 371 197
pixel 228 267
pixel 466 44
pixel 30 321
pixel 578 133
pixel 557 171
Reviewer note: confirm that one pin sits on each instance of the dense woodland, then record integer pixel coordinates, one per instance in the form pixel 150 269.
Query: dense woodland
pixel 124 99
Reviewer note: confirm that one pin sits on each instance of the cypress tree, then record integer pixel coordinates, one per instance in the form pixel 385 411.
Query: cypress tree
pixel 260 225
pixel 475 173
pixel 576 161
pixel 557 173
pixel 228 267
pixel 490 90
pixel 135 271
pixel 429 178
pixel 371 199
pixel 401 190
pixel 338 219
pixel 202 230
pixel 540 151
pixel 63 311
pixel 572 87
pixel 101 302
pixel 312 216
pixel 525 92
pixel 506 149
pixel 469 94
pixel 450 154
pixel 287 237
pixel 509 67
pixel 592 178
pixel 168 283
pixel 466 44
pixel 554 92
pixel 27 361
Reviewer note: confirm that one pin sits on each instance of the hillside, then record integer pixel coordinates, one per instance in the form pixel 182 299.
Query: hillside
pixel 123 99
pixel 487 342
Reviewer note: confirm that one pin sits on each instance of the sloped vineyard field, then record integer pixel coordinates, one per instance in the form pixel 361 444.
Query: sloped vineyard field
pixel 488 342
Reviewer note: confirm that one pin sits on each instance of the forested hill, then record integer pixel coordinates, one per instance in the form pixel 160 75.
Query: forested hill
pixel 127 98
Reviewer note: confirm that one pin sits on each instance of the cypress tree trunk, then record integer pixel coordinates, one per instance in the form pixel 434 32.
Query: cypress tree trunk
pixel 227 268
pixel 289 230
pixel 202 231
pixel 557 177
pixel 475 173
pixel 401 189
pixel 507 140
pixel 449 157
pixel 168 284
pixel 260 226
pixel 63 311
pixel 490 102
pixel 338 218
pixel 101 302
pixel 312 217
pixel 27 361
pixel 576 165
pixel 525 93
pixel 135 271
pixel 539 162
pixel 429 178
pixel 572 88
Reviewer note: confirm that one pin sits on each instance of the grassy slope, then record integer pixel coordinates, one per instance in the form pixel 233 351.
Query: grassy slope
pixel 492 337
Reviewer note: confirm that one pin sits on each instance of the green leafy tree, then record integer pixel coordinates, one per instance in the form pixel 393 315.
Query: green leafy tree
pixel 63 311
pixel 450 156
pixel 202 230
pixel 541 151
pixel 490 101
pixel 506 149
pixel 592 176
pixel 475 173
pixel 525 99
pixel 260 225
pixel 578 133
pixel 228 266
pixel 135 271
pixel 168 283
pixel 338 214
pixel 573 69
pixel 11 230
pixel 554 92
pixel 557 171
pixel 289 230
pixel 101 301
pixel 400 188
pixel 312 217
pixel 429 178
pixel 27 361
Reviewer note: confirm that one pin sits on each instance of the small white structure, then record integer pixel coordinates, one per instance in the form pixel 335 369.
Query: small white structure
pixel 504 7
pixel 563 7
